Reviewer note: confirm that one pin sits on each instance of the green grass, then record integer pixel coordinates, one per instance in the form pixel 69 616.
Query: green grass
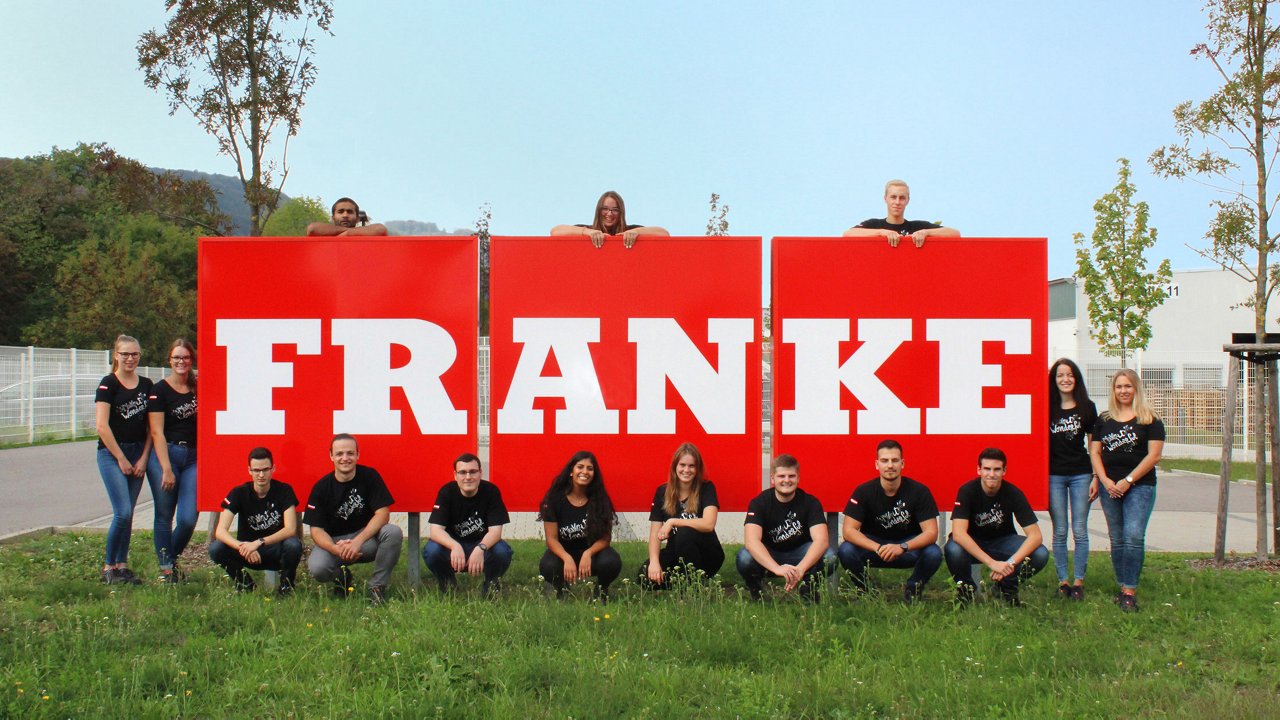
pixel 1207 642
pixel 1239 470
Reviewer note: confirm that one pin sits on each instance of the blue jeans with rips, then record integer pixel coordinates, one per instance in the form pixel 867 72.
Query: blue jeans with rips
pixel 122 491
pixel 1127 525
pixel 171 538
pixel 1069 494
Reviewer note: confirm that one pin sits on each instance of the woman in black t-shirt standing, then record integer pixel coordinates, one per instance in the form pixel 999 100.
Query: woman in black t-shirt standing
pixel 610 219
pixel 171 408
pixel 1127 442
pixel 1072 485
pixel 577 517
pixel 683 515
pixel 124 442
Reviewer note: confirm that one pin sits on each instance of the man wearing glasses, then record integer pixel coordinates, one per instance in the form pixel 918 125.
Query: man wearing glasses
pixel 466 529
pixel 267 537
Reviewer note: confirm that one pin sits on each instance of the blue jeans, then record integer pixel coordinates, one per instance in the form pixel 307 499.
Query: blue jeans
pixel 496 560
pixel 122 491
pixel 1127 525
pixel 1070 494
pixel 923 563
pixel 170 538
pixel 282 557
pixel 753 573
pixel 960 562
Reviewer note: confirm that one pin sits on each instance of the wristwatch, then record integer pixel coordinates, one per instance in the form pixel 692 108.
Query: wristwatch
pixel 904 547
pixel 483 547
pixel 1128 479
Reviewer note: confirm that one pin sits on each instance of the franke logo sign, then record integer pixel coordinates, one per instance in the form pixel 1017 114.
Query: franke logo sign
pixel 623 352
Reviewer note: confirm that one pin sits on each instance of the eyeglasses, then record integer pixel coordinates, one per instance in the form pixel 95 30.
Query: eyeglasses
pixel 466 473
pixel 179 358
pixel 610 211
pixel 261 471
pixel 129 356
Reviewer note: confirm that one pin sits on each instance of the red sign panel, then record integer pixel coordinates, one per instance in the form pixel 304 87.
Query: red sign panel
pixel 301 339
pixel 942 348
pixel 626 353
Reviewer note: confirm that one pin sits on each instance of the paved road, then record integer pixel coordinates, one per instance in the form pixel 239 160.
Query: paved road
pixel 60 485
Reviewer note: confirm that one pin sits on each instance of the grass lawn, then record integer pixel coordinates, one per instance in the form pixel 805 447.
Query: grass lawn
pixel 1206 643
pixel 1239 470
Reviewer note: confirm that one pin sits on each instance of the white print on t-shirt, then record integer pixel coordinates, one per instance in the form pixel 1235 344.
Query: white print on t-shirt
pixel 265 520
pixel 185 410
pixel 1124 438
pixel 576 531
pixel 471 525
pixel 353 504
pixel 789 528
pixel 1069 426
pixel 991 518
pixel 896 515
pixel 133 407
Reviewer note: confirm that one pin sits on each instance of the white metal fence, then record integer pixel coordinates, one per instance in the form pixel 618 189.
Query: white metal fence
pixel 48 393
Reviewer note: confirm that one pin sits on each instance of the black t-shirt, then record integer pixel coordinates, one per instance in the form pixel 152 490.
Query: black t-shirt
pixel 906 227
pixel 991 516
pixel 894 518
pixel 624 229
pixel 259 517
pixel 706 498
pixel 467 519
pixel 128 416
pixel 179 412
pixel 1124 445
pixel 785 525
pixel 342 508
pixel 571 523
pixel 1068 449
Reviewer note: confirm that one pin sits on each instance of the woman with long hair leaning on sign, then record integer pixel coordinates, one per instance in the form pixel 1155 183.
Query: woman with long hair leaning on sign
pixel 124 443
pixel 610 219
pixel 1127 442
pixel 171 408
pixel 1072 484
pixel 577 517
pixel 683 516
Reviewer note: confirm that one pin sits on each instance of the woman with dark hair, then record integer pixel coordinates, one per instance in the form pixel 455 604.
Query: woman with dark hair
pixel 1128 440
pixel 610 219
pixel 683 516
pixel 171 407
pixel 1072 484
pixel 577 517
pixel 124 442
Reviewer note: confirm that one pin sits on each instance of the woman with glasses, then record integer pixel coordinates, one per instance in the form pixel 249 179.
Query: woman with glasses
pixel 683 516
pixel 1127 443
pixel 577 518
pixel 124 442
pixel 610 219
pixel 171 407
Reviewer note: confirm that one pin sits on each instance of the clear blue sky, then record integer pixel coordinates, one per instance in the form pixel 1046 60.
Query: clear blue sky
pixel 1006 118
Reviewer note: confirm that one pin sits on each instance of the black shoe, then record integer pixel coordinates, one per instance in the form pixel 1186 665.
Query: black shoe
pixel 1009 595
pixel 755 593
pixel 1064 591
pixel 911 594
pixel 377 595
pixel 1077 593
pixel 491 588
pixel 245 582
pixel 126 576
pixel 1128 603
pixel 447 584
pixel 809 592
pixel 173 577
pixel 111 576
pixel 343 584
pixel 601 593
pixel 284 590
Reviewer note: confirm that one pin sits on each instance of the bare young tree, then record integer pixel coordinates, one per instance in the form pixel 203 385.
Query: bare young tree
pixel 718 223
pixel 242 68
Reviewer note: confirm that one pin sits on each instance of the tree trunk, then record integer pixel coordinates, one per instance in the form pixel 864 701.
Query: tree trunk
pixel 1228 441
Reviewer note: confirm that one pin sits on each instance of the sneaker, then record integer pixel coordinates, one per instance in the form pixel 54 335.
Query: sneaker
pixel 810 592
pixel 911 593
pixel 446 585
pixel 1077 593
pixel 1009 595
pixel 1128 603
pixel 1064 591
pixel 342 585
pixel 284 590
pixel 126 576
pixel 245 582
pixel 755 593
pixel 111 576
pixel 377 595
pixel 173 577
pixel 601 594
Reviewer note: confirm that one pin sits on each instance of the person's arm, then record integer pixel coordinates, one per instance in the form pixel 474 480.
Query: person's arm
pixel 1100 470
pixel 381 517
pixel 324 229
pixel 960 533
pixel 629 236
pixel 102 420
pixel 492 536
pixel 928 534
pixel 551 531
pixel 324 540
pixel 753 541
pixel 655 546
pixel 704 524
pixel 365 230
pixel 223 530
pixel 1155 448
pixel 584 563
pixel 289 530
pixel 161 446
pixel 820 540
pixel 856 231
pixel 851 531
pixel 1034 540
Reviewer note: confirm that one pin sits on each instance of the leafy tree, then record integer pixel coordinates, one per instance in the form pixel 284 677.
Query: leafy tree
pixel 121 282
pixel 1121 291
pixel 1228 141
pixel 242 68
pixel 718 223
pixel 292 218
